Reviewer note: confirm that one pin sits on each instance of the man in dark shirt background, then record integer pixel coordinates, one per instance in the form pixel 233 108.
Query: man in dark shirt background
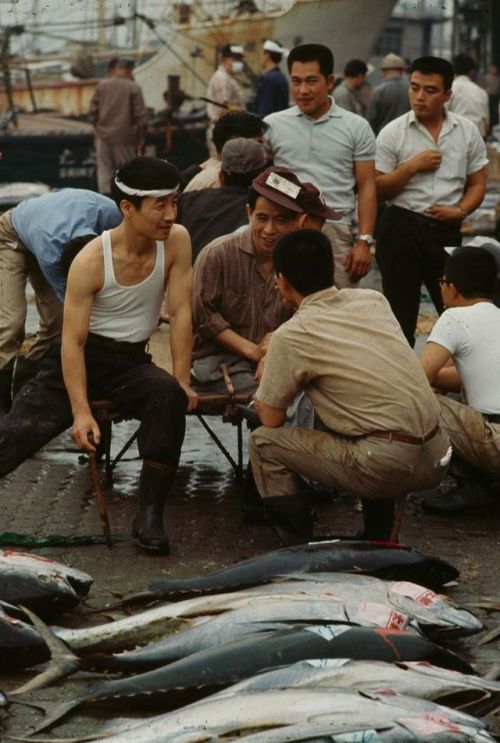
pixel 272 93
pixel 213 212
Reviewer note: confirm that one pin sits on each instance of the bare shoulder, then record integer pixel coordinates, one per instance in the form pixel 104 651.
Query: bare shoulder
pixel 178 245
pixel 87 268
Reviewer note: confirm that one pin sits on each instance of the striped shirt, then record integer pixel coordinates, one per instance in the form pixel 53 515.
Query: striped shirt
pixel 230 290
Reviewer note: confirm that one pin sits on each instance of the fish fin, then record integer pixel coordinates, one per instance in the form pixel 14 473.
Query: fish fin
pixel 63 662
pixel 54 712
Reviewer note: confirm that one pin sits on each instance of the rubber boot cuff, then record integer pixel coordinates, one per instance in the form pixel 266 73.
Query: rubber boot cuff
pixel 148 526
pixel 291 518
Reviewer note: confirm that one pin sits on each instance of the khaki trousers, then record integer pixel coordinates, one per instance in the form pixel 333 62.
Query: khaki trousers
pixel 368 467
pixel 109 157
pixel 17 265
pixel 340 236
pixel 472 437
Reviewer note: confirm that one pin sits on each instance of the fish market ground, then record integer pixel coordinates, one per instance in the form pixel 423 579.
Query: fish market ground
pixel 52 494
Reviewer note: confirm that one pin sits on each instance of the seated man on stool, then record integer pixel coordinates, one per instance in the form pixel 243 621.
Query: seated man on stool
pixel 468 332
pixel 115 288
pixel 235 303
pixel 345 350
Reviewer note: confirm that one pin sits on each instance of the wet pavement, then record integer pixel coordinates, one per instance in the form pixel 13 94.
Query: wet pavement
pixel 52 494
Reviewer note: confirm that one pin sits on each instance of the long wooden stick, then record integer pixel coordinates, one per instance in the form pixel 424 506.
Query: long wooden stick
pixel 101 505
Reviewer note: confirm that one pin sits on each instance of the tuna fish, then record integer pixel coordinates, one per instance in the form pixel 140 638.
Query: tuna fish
pixel 21 645
pixel 40 584
pixel 471 694
pixel 381 559
pixel 318 712
pixel 208 670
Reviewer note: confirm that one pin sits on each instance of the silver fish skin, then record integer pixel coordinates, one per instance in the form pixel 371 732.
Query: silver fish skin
pixel 430 608
pixel 471 694
pixel 39 583
pixel 253 710
pixel 262 615
pixel 426 607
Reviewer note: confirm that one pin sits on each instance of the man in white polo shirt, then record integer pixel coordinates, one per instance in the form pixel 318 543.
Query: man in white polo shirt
pixel 334 149
pixel 431 171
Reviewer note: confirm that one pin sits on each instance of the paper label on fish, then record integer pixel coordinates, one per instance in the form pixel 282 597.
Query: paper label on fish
pixel 361 736
pixel 428 724
pixel 381 616
pixel 328 631
pixel 418 593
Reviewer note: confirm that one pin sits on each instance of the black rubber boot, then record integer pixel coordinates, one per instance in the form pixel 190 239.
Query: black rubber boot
pixel 291 518
pixel 148 527
pixel 254 512
pixel 378 517
pixel 5 390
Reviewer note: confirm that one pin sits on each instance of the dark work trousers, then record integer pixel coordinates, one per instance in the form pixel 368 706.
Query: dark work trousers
pixel 116 371
pixel 410 252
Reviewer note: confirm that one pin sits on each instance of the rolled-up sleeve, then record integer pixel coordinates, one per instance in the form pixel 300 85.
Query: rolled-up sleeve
pixel 208 276
pixel 386 159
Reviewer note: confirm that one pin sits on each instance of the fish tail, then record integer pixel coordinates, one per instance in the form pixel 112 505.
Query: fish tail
pixel 63 662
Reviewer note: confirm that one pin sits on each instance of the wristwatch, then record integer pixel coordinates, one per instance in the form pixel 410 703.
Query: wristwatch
pixel 369 239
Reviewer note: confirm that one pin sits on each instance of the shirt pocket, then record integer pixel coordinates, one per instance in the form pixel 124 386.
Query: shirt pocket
pixel 237 310
pixel 454 164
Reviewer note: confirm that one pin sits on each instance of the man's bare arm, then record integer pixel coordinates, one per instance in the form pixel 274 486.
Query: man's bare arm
pixel 269 416
pixel 83 282
pixel 391 184
pixel 358 261
pixel 179 310
pixel 434 359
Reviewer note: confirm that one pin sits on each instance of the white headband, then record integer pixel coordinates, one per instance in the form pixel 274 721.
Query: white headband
pixel 159 193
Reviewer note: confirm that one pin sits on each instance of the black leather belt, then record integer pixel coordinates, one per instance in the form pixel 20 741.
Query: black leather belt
pixel 492 417
pixel 116 346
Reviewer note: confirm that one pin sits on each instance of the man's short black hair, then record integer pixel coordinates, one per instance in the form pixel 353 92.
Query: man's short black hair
pixel 305 259
pixel 237 124
pixel 71 249
pixel 312 53
pixel 434 66
pixel 274 56
pixel 463 64
pixel 145 174
pixel 355 67
pixel 473 271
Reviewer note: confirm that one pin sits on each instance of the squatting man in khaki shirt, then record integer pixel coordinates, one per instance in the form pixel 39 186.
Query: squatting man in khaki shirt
pixel 381 436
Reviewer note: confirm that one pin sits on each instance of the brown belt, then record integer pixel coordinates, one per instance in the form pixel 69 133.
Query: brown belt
pixel 406 438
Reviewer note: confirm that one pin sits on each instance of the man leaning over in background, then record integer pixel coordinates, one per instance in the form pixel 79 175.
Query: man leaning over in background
pixel 119 115
pixel 32 239
pixel 347 93
pixel 332 148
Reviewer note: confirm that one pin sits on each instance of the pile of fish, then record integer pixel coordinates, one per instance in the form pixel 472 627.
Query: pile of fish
pixel 300 644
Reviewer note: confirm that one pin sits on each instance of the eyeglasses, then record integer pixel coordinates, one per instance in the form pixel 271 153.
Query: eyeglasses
pixel 443 281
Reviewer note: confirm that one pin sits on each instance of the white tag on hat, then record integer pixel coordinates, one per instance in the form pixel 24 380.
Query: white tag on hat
pixel 281 184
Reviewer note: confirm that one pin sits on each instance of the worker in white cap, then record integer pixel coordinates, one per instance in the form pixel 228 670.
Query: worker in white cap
pixel 224 93
pixel 272 93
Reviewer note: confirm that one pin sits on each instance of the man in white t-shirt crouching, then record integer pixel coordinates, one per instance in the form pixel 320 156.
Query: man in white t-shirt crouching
pixel 468 333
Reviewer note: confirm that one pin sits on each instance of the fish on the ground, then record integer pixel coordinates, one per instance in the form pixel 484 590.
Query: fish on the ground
pixel 41 584
pixel 471 694
pixel 201 673
pixel 236 717
pixel 21 645
pixel 381 559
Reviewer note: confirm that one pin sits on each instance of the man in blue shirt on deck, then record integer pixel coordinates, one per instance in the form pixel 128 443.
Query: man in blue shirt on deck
pixel 32 238
pixel 272 93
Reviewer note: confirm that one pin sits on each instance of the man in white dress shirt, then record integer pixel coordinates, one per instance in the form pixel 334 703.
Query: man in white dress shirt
pixel 431 172
pixel 467 98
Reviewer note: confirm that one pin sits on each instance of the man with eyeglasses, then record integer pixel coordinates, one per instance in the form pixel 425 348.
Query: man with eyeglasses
pixel 431 172
pixel 468 334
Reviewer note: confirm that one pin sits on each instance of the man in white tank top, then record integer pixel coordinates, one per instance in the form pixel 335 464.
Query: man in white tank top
pixel 115 288
pixel 468 333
